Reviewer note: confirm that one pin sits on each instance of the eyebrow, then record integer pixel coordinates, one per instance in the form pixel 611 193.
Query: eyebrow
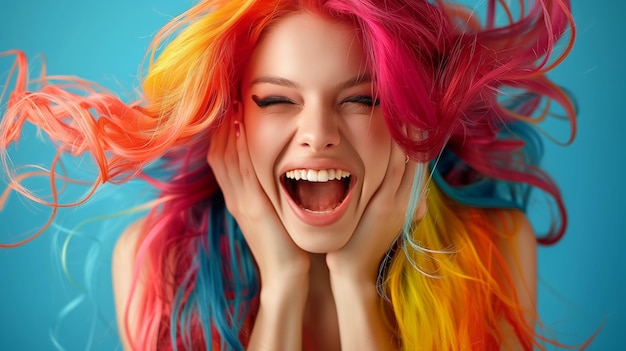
pixel 357 80
pixel 352 82
pixel 276 81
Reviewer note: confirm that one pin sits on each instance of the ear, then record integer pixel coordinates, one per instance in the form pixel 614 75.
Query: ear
pixel 236 111
pixel 219 139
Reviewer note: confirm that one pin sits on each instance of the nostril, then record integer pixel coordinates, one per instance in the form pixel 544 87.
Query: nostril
pixel 318 135
pixel 318 146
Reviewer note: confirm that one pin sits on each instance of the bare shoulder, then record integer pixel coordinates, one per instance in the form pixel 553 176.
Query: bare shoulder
pixel 127 241
pixel 123 262
pixel 517 236
pixel 123 259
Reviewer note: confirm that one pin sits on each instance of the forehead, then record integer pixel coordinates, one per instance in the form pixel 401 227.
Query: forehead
pixel 306 48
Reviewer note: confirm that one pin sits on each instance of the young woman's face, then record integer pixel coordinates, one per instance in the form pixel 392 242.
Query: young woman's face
pixel 316 135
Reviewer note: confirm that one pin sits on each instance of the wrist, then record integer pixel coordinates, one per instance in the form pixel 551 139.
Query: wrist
pixel 363 322
pixel 357 277
pixel 359 286
pixel 284 271
pixel 291 291
pixel 278 324
pixel 352 269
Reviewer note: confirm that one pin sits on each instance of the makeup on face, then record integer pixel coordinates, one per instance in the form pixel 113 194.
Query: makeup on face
pixel 314 127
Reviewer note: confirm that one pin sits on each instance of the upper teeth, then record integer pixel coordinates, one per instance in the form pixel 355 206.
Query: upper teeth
pixel 312 175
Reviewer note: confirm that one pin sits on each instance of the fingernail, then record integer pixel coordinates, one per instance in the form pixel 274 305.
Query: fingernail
pixel 237 128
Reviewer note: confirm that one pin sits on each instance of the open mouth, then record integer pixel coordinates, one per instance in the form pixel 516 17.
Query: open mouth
pixel 318 191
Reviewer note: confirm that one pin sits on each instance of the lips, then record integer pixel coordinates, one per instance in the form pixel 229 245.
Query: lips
pixel 317 195
pixel 318 191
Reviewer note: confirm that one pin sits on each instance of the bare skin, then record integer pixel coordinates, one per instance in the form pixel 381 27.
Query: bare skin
pixel 325 118
pixel 320 314
pixel 320 279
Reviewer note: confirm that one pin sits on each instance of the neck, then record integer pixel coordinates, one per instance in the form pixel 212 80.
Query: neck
pixel 321 327
pixel 319 277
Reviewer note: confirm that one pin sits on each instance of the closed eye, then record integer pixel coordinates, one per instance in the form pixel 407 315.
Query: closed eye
pixel 362 99
pixel 271 100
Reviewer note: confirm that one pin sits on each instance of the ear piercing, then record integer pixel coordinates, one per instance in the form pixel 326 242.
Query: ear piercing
pixel 237 128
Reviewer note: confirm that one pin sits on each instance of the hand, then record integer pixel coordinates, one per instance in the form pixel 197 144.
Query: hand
pixel 276 255
pixel 379 226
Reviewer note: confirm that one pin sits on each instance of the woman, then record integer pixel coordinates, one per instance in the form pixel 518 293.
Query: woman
pixel 340 175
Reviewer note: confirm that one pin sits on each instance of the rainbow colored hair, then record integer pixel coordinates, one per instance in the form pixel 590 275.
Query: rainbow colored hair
pixel 463 94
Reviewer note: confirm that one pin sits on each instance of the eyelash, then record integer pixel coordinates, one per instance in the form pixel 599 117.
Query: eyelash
pixel 271 100
pixel 363 99
pixel 274 100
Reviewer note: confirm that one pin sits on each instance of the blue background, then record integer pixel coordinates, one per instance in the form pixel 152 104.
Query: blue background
pixel 581 278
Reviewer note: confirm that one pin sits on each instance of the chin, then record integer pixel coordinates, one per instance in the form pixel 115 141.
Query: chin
pixel 319 240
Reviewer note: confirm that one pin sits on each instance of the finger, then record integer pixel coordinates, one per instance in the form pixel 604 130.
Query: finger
pixel 408 176
pixel 222 154
pixel 247 171
pixel 231 153
pixel 385 201
pixel 411 191
pixel 216 152
pixel 399 170
pixel 401 179
pixel 217 144
pixel 245 162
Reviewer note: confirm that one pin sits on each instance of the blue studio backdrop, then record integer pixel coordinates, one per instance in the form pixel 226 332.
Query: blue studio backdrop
pixel 582 278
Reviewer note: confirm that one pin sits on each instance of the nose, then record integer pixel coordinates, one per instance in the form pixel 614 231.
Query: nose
pixel 318 129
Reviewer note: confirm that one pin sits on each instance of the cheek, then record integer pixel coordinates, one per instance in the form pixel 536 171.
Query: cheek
pixel 264 141
pixel 373 142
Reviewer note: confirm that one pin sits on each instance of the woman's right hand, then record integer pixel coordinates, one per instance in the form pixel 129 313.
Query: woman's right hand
pixel 283 266
pixel 276 255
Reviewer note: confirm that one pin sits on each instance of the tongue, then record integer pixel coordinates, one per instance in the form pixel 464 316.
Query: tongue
pixel 320 196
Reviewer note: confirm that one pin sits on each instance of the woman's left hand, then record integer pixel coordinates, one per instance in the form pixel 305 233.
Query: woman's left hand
pixel 354 268
pixel 379 226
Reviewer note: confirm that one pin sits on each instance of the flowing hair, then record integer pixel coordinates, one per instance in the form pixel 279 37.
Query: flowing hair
pixel 465 94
